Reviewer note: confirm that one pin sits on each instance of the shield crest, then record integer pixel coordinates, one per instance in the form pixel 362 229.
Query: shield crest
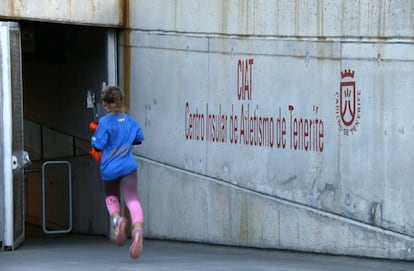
pixel 347 102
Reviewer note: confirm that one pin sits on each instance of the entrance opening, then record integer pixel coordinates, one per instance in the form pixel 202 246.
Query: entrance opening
pixel 60 63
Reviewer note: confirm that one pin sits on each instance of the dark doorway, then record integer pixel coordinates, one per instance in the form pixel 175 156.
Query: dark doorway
pixel 60 63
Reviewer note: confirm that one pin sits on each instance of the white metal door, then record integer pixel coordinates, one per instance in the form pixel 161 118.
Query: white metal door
pixel 12 155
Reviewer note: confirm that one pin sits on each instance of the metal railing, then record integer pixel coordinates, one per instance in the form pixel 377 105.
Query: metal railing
pixel 42 171
pixel 70 216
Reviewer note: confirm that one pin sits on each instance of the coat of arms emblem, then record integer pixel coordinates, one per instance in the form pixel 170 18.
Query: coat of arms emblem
pixel 348 103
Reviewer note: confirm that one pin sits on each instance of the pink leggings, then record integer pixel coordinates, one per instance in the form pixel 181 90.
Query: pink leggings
pixel 128 186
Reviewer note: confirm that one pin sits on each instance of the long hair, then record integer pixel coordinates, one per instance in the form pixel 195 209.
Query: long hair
pixel 114 99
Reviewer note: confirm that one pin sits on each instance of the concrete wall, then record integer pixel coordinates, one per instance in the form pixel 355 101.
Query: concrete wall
pixel 90 12
pixel 327 164
pixel 328 18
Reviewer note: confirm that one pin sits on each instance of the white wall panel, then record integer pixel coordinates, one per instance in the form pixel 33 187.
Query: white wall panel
pixel 328 18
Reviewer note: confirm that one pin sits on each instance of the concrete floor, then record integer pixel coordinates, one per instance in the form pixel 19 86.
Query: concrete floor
pixel 78 252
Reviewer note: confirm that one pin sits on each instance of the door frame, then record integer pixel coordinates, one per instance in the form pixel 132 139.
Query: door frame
pixel 10 234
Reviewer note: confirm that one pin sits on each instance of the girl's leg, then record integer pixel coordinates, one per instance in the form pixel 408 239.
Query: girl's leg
pixel 112 197
pixel 129 190
pixel 111 189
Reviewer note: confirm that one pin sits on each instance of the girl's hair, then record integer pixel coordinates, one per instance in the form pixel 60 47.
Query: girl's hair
pixel 114 99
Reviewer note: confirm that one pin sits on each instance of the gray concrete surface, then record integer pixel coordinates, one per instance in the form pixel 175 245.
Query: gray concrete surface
pixel 79 253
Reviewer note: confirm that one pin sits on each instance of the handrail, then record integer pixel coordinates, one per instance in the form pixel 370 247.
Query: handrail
pixel 74 139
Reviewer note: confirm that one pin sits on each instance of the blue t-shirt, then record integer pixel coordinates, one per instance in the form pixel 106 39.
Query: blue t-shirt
pixel 115 135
